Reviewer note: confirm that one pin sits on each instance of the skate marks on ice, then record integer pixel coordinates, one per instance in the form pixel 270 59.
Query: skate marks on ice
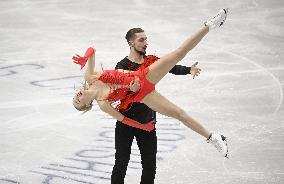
pixel 94 164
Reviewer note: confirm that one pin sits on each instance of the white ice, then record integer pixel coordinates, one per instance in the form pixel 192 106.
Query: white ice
pixel 239 92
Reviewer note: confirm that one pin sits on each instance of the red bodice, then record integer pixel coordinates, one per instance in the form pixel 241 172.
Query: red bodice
pixel 120 78
pixel 115 77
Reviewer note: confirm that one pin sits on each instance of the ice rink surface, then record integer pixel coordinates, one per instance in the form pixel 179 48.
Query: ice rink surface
pixel 239 92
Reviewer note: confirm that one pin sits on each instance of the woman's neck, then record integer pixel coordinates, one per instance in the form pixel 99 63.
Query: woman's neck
pixel 91 94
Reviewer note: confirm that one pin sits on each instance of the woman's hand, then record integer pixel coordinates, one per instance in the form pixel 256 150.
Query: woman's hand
pixel 83 60
pixel 149 126
pixel 130 122
pixel 80 60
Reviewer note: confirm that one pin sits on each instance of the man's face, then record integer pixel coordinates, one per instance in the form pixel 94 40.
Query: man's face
pixel 139 44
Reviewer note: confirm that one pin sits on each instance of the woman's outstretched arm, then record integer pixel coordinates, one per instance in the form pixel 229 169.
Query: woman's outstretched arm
pixel 90 58
pixel 107 108
pixel 90 70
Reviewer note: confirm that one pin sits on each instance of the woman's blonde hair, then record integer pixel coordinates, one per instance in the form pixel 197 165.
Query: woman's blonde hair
pixel 85 108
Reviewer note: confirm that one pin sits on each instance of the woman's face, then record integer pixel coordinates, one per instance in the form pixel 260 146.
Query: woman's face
pixel 79 100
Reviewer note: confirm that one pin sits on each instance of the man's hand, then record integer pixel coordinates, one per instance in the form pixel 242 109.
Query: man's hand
pixel 134 85
pixel 194 70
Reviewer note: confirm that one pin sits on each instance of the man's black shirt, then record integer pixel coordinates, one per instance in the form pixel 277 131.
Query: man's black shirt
pixel 139 111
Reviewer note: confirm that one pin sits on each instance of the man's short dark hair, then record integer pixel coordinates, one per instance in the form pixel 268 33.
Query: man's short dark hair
pixel 130 35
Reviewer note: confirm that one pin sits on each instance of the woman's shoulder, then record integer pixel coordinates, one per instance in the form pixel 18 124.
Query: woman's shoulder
pixel 97 74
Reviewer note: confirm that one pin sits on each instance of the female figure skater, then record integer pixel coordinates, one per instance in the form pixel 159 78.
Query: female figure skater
pixel 139 86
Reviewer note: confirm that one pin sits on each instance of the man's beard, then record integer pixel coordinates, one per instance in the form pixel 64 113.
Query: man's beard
pixel 143 53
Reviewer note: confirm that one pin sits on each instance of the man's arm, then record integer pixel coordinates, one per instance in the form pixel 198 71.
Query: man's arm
pixel 180 70
pixel 184 70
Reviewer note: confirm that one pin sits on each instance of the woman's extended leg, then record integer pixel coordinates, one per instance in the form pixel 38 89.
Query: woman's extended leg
pixel 162 66
pixel 158 103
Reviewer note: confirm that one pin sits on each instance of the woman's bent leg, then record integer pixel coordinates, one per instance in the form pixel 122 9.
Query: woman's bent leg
pixel 159 103
pixel 162 66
